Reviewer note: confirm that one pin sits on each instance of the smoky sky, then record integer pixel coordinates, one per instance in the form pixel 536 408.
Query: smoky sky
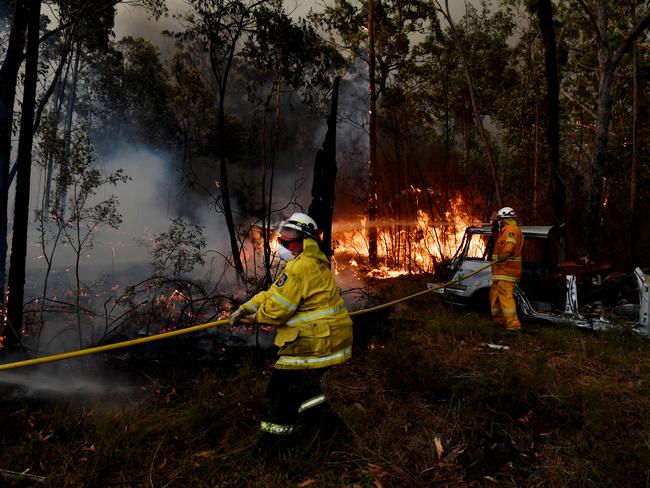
pixel 134 22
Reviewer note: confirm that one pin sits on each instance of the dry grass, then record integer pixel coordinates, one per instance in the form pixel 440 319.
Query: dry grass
pixel 424 402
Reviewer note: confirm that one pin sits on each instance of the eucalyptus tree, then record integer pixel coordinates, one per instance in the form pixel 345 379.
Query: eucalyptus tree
pixel 23 168
pixel 611 47
pixel 475 36
pixel 26 17
pixel 290 56
pixel 544 12
pixel 193 108
pixel 469 77
pixel 128 95
pixel 219 26
pixel 85 214
pixel 395 24
pixel 528 119
pixel 8 84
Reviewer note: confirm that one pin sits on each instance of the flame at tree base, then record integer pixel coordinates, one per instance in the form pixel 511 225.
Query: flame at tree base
pixel 418 246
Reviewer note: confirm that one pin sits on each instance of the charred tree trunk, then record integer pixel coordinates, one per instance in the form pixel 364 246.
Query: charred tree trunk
pixel 24 166
pixel 269 169
pixel 558 189
pixel 323 192
pixel 372 140
pixel 634 196
pixel 225 191
pixel 536 166
pixel 599 156
pixel 8 81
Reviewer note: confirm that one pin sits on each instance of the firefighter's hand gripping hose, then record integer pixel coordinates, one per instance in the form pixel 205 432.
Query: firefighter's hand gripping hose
pixel 207 325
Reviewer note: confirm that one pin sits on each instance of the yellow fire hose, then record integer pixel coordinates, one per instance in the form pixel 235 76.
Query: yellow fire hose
pixel 207 325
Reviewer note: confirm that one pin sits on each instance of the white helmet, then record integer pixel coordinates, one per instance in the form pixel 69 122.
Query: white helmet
pixel 302 222
pixel 506 212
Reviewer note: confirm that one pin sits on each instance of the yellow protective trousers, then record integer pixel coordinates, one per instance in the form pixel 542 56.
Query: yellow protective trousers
pixel 502 305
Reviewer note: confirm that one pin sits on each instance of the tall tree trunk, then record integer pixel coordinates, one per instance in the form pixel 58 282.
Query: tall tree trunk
pixel 558 189
pixel 607 64
pixel 225 190
pixel 55 117
pixel 221 65
pixel 489 150
pixel 266 213
pixel 266 228
pixel 67 132
pixel 24 165
pixel 8 82
pixel 372 141
pixel 536 166
pixel 323 186
pixel 634 197
pixel 603 114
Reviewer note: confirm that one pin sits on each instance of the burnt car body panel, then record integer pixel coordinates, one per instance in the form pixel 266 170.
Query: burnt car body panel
pixel 548 291
pixel 475 252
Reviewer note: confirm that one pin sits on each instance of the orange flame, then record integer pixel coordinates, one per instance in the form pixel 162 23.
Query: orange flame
pixel 405 247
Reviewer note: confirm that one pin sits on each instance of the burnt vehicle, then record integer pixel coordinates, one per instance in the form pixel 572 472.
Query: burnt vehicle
pixel 549 290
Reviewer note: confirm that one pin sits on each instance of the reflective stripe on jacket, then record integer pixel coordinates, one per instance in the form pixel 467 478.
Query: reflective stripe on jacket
pixel 314 328
pixel 506 256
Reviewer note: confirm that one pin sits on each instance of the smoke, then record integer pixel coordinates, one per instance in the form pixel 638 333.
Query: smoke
pixel 136 22
pixel 72 378
pixel 147 203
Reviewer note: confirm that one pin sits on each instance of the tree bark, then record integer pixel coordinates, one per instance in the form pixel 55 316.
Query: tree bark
pixel 67 132
pixel 477 115
pixel 8 81
pixel 323 192
pixel 372 140
pixel 558 189
pixel 221 59
pixel 607 64
pixel 634 196
pixel 225 192
pixel 24 165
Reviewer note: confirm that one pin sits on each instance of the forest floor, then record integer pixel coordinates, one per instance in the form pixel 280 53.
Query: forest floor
pixel 433 396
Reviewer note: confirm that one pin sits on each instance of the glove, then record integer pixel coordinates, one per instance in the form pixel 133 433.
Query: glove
pixel 235 317
pixel 250 319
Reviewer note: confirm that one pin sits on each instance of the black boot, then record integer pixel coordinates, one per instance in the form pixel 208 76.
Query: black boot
pixel 321 423
pixel 270 446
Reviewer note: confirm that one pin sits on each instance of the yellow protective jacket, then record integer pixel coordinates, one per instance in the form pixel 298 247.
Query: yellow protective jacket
pixel 314 328
pixel 506 256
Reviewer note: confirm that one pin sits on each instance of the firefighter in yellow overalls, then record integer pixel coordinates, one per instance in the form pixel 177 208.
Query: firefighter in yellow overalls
pixel 506 270
pixel 314 332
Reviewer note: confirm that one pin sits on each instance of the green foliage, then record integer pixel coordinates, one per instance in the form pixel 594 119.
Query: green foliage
pixel 130 95
pixel 77 184
pixel 289 50
pixel 178 250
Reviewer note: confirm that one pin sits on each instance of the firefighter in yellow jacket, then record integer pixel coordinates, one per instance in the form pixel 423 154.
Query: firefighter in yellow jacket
pixel 314 330
pixel 506 270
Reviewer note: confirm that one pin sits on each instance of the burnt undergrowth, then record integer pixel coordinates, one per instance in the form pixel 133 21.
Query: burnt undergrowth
pixel 433 396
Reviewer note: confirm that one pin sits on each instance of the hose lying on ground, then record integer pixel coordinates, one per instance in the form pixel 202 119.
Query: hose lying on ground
pixel 207 325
